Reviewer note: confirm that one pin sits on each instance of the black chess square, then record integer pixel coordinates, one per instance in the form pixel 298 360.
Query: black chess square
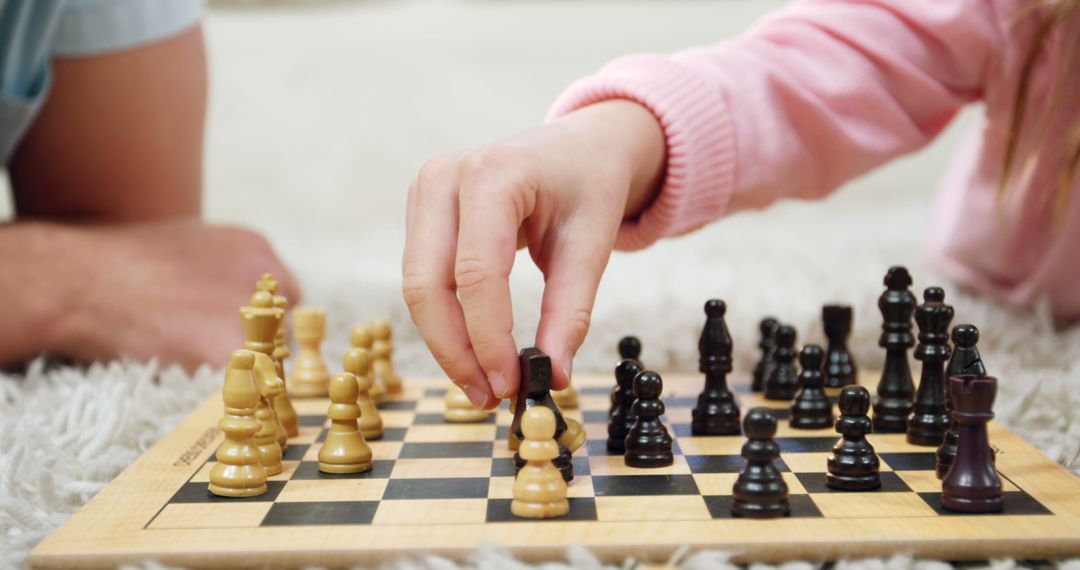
pixel 502 433
pixel 446 450
pixel 594 416
pixel 200 493
pixel 380 469
pixel 438 419
pixel 926 461
pixel 1016 503
pixel 741 388
pixel 806 444
pixel 504 467
pixel 320 513
pixel 802 506
pixel 581 509
pixel 723 463
pixel 630 485
pixel 595 390
pixel 295 452
pixel 437 488
pixel 598 448
pixel 679 401
pixel 890 483
pixel 312 421
pixel 397 405
pixel 322 436
pixel 435 392
pixel 392 434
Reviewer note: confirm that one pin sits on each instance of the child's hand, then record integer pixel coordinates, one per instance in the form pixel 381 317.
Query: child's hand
pixel 561 189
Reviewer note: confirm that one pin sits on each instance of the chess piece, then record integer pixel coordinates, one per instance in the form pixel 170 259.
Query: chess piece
pixel 621 417
pixel 965 360
pixel 767 344
pixel 260 321
pixel 895 389
pixel 783 380
pixel 716 412
pixel 344 450
pixel 853 465
pixel 760 492
pixel 648 443
pixel 361 337
pixel 309 376
pixel 539 488
pixel 840 369
pixel 630 348
pixel 972 484
pixel 929 420
pixel 383 354
pixel 239 471
pixel 358 364
pixel 535 391
pixel 811 409
pixel 283 407
pixel 459 409
pixel 566 399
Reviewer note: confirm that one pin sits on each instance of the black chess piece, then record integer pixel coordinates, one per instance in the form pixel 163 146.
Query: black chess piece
pixel 853 465
pixel 630 348
pixel 716 412
pixel 972 484
pixel 621 417
pixel 767 344
pixel 811 409
pixel 760 491
pixel 535 390
pixel 840 369
pixel 965 360
pixel 896 388
pixel 783 379
pixel 648 444
pixel 929 420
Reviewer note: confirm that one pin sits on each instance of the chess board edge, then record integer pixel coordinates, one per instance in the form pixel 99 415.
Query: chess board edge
pixel 112 527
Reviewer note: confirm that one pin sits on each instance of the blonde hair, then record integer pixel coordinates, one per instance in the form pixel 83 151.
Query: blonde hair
pixel 1054 13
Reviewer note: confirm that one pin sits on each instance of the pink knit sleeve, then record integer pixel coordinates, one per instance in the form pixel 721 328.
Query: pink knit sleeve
pixel 814 95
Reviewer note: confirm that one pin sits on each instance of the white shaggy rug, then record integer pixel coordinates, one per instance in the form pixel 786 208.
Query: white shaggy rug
pixel 321 115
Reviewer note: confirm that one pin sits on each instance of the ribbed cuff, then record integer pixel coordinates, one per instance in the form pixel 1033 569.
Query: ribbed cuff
pixel 700 164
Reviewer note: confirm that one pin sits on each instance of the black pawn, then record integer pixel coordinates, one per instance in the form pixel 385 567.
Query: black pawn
pixel 648 444
pixel 896 388
pixel 767 344
pixel 929 420
pixel 972 484
pixel 783 380
pixel 716 412
pixel 630 348
pixel 965 360
pixel 840 369
pixel 812 409
pixel 760 491
pixel 621 417
pixel 853 465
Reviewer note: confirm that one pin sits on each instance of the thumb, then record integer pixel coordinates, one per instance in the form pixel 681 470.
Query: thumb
pixel 571 278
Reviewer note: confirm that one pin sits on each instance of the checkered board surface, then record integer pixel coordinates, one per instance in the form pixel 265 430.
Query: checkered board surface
pixel 445 488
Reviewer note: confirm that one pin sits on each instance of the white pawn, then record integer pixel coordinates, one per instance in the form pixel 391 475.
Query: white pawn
pixel 383 354
pixel 358 364
pixel 539 489
pixel 362 338
pixel 459 409
pixel 239 471
pixel 309 376
pixel 566 399
pixel 344 450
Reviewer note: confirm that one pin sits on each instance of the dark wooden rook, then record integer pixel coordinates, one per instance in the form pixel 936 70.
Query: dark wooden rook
pixel 965 360
pixel 895 389
pixel 972 484
pixel 535 390
pixel 767 344
pixel 929 420
pixel 783 379
pixel 840 368
pixel 760 492
pixel 716 412
pixel 853 465
pixel 811 409
pixel 648 444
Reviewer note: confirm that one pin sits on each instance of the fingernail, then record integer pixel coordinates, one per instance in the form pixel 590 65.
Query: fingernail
pixel 478 397
pixel 499 384
pixel 568 366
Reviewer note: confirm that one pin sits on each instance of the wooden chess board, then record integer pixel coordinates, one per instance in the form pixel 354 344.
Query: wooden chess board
pixel 446 488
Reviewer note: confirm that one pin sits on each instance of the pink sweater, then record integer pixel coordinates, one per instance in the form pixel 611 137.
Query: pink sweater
pixel 825 90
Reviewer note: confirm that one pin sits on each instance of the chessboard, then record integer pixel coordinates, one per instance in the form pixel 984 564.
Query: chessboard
pixel 440 488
